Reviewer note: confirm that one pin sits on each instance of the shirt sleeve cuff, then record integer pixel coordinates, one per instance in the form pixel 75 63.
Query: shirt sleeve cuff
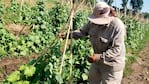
pixel 98 57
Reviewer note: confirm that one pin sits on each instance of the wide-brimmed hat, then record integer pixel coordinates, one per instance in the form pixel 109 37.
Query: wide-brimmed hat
pixel 100 14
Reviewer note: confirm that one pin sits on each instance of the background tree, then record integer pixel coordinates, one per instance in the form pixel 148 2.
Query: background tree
pixel 87 2
pixel 124 5
pixel 136 5
pixel 146 15
pixel 109 2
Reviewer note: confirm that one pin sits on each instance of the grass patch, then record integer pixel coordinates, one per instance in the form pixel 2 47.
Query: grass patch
pixel 49 3
pixel 130 58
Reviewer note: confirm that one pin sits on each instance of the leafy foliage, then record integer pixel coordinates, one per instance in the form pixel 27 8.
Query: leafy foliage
pixel 146 15
pixel 47 25
pixel 124 4
pixel 109 2
pixel 136 4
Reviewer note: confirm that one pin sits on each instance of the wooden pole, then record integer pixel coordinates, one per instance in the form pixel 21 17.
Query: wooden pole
pixel 67 37
pixel 74 9
pixel 22 1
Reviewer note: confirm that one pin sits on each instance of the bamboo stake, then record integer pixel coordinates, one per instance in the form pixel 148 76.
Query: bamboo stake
pixel 73 11
pixel 71 28
pixel 22 1
pixel 78 6
pixel 91 6
pixel 65 46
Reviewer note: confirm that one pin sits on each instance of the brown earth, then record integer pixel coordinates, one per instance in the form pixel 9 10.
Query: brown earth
pixel 17 29
pixel 140 74
pixel 10 64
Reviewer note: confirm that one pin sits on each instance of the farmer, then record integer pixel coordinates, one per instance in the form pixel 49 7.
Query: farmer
pixel 106 33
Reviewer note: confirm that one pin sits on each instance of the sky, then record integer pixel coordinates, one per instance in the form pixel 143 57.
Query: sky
pixel 145 7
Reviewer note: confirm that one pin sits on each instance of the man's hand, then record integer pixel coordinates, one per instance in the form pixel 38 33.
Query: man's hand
pixel 61 35
pixel 93 58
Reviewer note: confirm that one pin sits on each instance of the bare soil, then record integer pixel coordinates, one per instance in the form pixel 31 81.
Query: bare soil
pixel 140 74
pixel 8 65
pixel 17 29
